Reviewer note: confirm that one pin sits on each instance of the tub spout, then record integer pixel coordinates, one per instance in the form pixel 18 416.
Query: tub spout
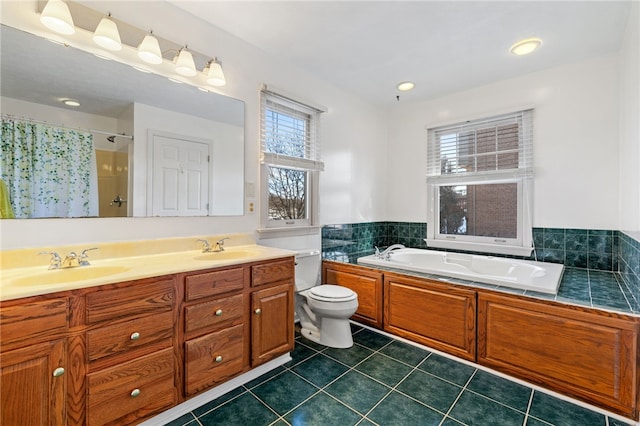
pixel 385 254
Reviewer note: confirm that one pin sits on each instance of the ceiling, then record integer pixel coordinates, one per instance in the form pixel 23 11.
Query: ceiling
pixel 368 47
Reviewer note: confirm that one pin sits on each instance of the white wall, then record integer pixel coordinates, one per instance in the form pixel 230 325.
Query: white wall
pixel 629 174
pixel 349 122
pixel 576 154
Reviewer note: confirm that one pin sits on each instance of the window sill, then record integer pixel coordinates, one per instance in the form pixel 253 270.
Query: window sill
pixel 288 232
pixel 480 247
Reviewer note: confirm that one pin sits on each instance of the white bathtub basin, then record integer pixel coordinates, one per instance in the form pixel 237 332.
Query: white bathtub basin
pixel 520 274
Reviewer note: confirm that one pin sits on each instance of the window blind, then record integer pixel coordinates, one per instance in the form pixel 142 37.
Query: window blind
pixel 289 133
pixel 497 144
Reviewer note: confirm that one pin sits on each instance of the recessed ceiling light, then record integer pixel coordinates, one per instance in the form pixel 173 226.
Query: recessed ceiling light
pixel 405 86
pixel 70 102
pixel 526 46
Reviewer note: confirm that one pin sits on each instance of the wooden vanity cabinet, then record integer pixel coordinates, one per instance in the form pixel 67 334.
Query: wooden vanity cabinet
pixel 365 282
pixel 130 351
pixel 584 353
pixel 34 363
pixel 272 309
pixel 215 335
pixel 432 313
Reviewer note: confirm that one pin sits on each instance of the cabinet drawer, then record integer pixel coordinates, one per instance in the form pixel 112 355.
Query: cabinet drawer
pixel 132 390
pixel 216 314
pixel 121 337
pixel 212 283
pixel 136 298
pixel 272 272
pixel 213 358
pixel 32 320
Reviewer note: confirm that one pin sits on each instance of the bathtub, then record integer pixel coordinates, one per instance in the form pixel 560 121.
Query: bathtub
pixel 520 274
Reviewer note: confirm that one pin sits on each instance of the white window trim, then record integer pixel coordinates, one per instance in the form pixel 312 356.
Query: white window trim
pixel 522 245
pixel 309 226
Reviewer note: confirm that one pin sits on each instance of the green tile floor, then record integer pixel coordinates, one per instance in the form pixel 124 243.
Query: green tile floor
pixel 384 381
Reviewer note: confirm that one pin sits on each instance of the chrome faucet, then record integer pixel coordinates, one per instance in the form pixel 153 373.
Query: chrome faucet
pixel 206 247
pixel 71 260
pixel 55 261
pixel 385 255
pixel 220 244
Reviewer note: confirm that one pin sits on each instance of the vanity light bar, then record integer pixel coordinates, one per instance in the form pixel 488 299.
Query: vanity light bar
pixel 56 16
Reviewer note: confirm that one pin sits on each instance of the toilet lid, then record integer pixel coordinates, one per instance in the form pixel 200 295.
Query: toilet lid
pixel 331 292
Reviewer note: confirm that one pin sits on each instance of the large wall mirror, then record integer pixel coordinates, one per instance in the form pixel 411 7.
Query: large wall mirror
pixel 160 148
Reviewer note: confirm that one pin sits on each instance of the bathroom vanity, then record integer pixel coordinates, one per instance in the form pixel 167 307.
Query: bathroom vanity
pixel 587 353
pixel 121 352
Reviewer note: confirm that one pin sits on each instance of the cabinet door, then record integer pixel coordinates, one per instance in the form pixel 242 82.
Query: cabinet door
pixel 33 384
pixel 367 284
pixel 271 323
pixel 431 313
pixel 585 354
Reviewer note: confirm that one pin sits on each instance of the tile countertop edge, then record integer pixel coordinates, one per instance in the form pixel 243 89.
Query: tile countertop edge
pixel 137 267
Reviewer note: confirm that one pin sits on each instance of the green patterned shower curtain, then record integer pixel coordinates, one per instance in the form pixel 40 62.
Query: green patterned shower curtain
pixel 49 171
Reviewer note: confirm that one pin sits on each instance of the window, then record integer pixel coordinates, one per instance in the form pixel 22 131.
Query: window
pixel 479 176
pixel 290 162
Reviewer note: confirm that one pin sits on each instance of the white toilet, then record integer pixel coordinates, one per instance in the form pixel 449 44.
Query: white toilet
pixel 323 310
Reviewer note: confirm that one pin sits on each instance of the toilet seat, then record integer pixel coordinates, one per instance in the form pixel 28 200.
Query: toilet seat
pixel 331 293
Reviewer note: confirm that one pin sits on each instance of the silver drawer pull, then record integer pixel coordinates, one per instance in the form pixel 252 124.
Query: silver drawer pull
pixel 135 393
pixel 58 372
pixel 135 336
pixel 258 311
pixel 219 358
pixel 219 313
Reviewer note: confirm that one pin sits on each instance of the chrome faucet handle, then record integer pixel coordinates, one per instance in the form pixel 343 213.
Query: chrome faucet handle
pixel 55 262
pixel 83 260
pixel 205 245
pixel 377 253
pixel 220 244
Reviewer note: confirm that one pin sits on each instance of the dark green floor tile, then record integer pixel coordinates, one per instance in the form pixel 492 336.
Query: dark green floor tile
pixel 366 422
pixel 322 410
pixel 559 412
pixel 280 422
pixel 404 352
pixel 187 419
pixel 284 392
pixel 473 409
pixel 616 422
pixel 532 421
pixel 313 345
pixel 398 410
pixel 357 391
pixel 350 356
pixel 430 390
pixel 320 370
pixel 499 389
pixel 384 369
pixel 218 401
pixel 447 369
pixel 266 376
pixel 448 421
pixel 299 353
pixel 242 411
pixel 371 339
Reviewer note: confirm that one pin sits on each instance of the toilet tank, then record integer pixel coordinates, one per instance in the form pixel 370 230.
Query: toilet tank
pixel 307 269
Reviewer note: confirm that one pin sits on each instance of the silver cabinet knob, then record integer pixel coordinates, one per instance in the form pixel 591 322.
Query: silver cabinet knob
pixel 58 372
pixel 135 336
pixel 219 313
pixel 219 358
pixel 258 311
pixel 135 393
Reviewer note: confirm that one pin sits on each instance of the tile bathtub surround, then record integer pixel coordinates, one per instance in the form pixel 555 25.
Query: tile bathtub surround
pixel 629 263
pixel 580 248
pixel 384 381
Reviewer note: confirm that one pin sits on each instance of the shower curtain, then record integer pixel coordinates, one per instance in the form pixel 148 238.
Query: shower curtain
pixel 49 171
